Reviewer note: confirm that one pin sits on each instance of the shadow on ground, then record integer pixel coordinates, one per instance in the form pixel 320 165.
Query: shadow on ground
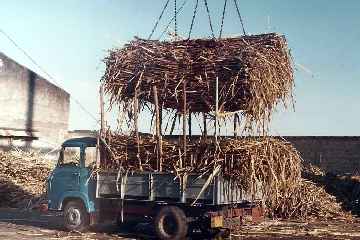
pixel 12 195
pixel 20 225
pixel 52 224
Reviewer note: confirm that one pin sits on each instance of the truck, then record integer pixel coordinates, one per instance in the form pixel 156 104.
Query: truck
pixel 87 195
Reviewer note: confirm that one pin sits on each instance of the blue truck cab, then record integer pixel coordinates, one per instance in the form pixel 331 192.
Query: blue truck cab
pixel 71 188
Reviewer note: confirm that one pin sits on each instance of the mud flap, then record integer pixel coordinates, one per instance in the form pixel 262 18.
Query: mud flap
pixel 216 221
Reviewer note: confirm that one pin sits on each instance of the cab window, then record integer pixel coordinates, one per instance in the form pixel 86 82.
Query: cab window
pixel 90 157
pixel 70 156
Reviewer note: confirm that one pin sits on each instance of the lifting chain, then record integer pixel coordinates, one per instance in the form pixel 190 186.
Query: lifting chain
pixel 176 12
pixel 193 18
pixel 239 15
pixel 222 19
pixel 172 19
pixel 209 16
pixel 175 16
pixel 157 22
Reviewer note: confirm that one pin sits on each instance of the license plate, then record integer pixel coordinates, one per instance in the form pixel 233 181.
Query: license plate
pixel 217 221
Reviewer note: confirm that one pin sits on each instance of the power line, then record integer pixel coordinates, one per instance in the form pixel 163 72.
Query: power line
pixel 48 74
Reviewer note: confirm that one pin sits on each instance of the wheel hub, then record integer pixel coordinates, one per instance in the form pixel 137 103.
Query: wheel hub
pixel 74 216
pixel 169 225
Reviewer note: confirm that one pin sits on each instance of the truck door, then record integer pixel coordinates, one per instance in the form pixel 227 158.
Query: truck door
pixel 66 175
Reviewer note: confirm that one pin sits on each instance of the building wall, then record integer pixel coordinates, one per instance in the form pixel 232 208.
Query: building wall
pixel 32 104
pixel 333 154
pixel 336 154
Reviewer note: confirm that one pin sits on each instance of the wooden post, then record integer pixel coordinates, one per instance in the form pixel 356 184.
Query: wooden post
pixel 173 124
pixel 235 124
pixel 183 159
pixel 158 135
pixel 136 122
pixel 216 108
pixel 160 117
pixel 102 113
pixel 102 126
pixel 184 123
pixel 189 123
pixel 205 125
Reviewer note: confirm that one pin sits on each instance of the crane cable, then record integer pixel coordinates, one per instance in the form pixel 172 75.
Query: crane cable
pixel 193 18
pixel 209 16
pixel 47 74
pixel 222 19
pixel 175 16
pixel 172 19
pixel 158 20
pixel 239 15
pixel 177 11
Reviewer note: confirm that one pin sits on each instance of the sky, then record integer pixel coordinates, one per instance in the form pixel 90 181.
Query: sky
pixel 70 38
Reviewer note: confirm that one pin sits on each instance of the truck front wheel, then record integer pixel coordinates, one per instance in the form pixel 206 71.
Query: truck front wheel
pixel 170 223
pixel 76 217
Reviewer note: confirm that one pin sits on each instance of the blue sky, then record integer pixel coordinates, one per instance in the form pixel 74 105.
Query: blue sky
pixel 69 39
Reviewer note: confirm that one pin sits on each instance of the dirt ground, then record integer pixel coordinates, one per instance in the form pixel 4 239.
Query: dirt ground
pixel 19 225
pixel 272 229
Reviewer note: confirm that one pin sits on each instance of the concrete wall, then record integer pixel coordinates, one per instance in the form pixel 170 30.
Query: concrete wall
pixel 333 154
pixel 31 104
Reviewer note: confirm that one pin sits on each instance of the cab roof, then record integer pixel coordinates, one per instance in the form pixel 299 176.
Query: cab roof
pixel 80 142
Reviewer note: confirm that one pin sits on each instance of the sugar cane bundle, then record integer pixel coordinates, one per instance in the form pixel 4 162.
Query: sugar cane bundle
pixel 122 151
pixel 272 162
pixel 238 157
pixel 254 74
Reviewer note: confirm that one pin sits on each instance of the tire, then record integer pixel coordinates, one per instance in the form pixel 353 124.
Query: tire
pixel 171 224
pixel 76 217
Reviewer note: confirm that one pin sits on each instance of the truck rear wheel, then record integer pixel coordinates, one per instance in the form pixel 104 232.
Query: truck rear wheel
pixel 170 223
pixel 76 217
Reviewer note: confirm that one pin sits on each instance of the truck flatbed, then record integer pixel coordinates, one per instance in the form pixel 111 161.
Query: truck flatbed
pixel 166 187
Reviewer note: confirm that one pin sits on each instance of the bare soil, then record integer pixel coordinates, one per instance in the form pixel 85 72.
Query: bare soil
pixel 20 225
pixel 271 229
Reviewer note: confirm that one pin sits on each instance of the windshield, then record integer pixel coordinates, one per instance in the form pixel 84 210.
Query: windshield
pixel 70 156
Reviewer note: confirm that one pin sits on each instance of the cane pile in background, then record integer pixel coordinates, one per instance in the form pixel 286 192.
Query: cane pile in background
pixel 22 177
pixel 254 74
pixel 345 187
